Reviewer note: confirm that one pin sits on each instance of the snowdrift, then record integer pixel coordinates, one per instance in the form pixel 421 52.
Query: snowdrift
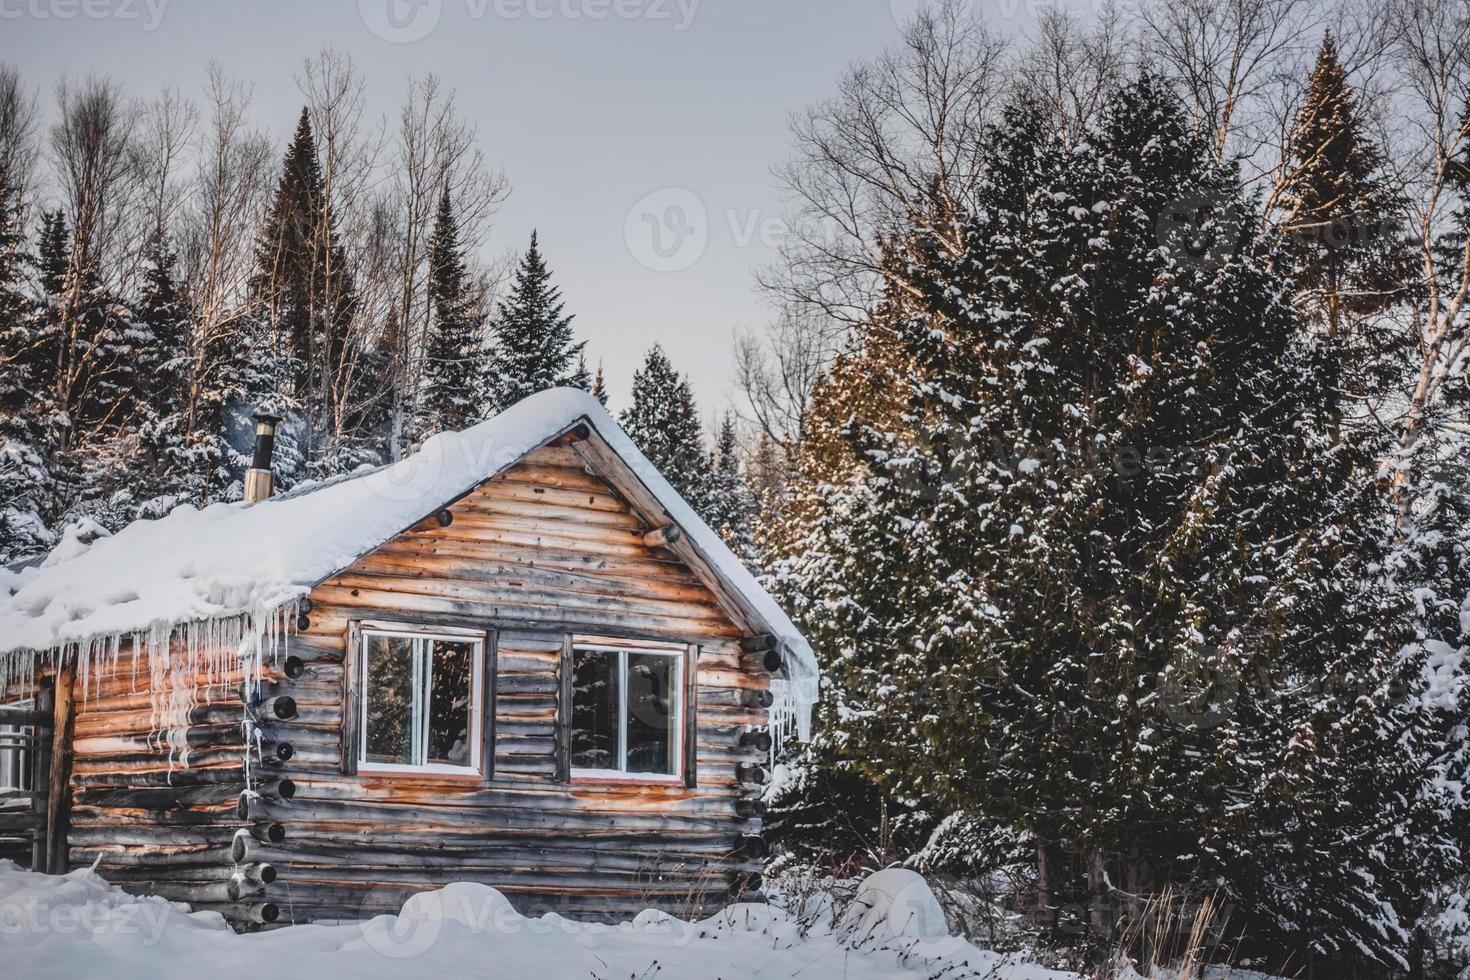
pixel 77 925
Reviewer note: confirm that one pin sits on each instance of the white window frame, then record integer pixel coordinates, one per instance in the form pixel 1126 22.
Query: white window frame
pixel 423 647
pixel 621 774
pixel 15 762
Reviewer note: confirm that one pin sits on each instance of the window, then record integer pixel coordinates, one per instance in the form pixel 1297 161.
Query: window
pixel 627 713
pixel 15 753
pixel 421 701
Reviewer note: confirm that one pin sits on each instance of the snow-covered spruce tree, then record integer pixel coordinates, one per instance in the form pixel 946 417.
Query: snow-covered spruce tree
pixel 827 809
pixel 1107 578
pixel 664 424
pixel 169 465
pixel 88 348
pixel 25 478
pixel 532 347
pixel 451 382
pixel 304 290
pixel 581 377
pixel 1340 224
pixel 731 505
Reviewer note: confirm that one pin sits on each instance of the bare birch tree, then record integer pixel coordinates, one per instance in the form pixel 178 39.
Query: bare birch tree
pixel 96 162
pixel 226 200
pixel 1431 47
pixel 19 115
pixel 898 146
pixel 435 146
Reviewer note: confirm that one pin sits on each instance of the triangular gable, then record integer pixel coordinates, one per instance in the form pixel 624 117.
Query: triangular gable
pixel 247 562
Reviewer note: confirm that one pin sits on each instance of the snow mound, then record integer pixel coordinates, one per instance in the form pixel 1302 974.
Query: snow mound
pixel 79 926
pixel 896 904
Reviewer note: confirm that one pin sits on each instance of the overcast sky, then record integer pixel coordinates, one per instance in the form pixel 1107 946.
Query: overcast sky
pixel 590 107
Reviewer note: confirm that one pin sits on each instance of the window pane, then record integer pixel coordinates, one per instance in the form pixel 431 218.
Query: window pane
pixel 653 711
pixel 594 709
pixel 15 761
pixel 450 693
pixel 389 699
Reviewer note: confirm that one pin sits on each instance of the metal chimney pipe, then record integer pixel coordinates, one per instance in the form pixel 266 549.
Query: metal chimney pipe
pixel 259 481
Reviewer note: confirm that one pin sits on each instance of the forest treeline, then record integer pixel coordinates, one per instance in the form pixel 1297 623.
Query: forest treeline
pixel 166 272
pixel 1126 501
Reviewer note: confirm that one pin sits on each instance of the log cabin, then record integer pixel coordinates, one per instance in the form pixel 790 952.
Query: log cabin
pixel 515 657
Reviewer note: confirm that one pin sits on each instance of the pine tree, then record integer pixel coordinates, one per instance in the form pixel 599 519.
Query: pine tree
pixel 164 308
pixel 599 386
pixel 304 287
pixel 1345 251
pixel 730 506
pixel 664 424
pixel 532 344
pixel 54 251
pixel 169 466
pixel 53 258
pixel 25 478
pixel 1107 577
pixel 581 377
pixel 452 359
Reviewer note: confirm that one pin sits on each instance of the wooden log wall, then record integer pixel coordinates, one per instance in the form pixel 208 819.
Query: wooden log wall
pixel 543 552
pixel 159 820
pixel 546 551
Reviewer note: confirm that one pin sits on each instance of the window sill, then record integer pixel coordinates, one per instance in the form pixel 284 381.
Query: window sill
pixel 606 777
pixel 420 772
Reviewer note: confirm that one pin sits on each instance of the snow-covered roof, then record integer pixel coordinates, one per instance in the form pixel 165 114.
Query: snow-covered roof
pixel 231 560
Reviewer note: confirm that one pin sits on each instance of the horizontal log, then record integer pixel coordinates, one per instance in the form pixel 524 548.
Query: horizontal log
pixel 20 821
pixel 154 857
pixel 250 913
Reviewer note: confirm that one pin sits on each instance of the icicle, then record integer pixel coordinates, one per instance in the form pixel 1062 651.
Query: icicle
pixel 186 665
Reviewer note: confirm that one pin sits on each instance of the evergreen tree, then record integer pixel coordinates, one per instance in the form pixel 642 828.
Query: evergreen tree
pixel 1345 251
pixel 599 386
pixel 25 478
pixel 581 377
pixel 532 344
pixel 303 285
pixel 1433 564
pixel 1105 577
pixel 730 507
pixel 53 258
pixel 164 308
pixel 54 251
pixel 451 379
pixel 172 462
pixel 664 424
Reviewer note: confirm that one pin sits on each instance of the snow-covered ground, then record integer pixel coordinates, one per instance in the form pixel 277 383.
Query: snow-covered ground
pixel 78 926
